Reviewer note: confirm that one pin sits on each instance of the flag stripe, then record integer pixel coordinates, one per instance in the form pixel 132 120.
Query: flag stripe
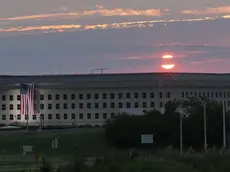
pixel 27 102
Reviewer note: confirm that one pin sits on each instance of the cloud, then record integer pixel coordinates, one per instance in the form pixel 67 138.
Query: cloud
pixel 208 11
pixel 99 11
pixel 75 27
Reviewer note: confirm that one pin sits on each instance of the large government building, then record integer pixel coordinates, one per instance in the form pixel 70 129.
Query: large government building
pixel 91 99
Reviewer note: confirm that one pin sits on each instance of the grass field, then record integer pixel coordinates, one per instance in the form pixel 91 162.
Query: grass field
pixel 87 142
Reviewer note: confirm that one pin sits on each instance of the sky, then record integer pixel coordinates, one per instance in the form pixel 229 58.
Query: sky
pixel 122 36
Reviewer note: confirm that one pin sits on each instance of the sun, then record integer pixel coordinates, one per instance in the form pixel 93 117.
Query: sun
pixel 168 66
pixel 167 62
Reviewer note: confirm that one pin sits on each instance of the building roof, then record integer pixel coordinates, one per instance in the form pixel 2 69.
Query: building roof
pixel 126 77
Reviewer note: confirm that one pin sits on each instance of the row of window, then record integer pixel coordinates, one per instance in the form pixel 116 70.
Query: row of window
pixel 206 94
pixel 135 95
pixel 59 117
pixel 104 105
pixel 89 96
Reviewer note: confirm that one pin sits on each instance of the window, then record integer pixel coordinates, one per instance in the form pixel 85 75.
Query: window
pixel 73 116
pixel 136 95
pixel 11 97
pixel 104 105
pixel 88 105
pixel 65 116
pixel 152 105
pixel 64 96
pixel 57 97
pixel 80 96
pixel 212 95
pixel 49 97
pixel 41 97
pixel 169 95
pixel 26 117
pixel 136 105
pixel 112 105
pixel 96 96
pixel 112 96
pixel 81 116
pixel 73 106
pixel 57 116
pixel 3 107
pixel 57 106
pixel 96 115
pixel 18 106
pixel 81 106
pixel 41 106
pixel 11 107
pixel 88 116
pixel 128 95
pixel 88 96
pixel 18 117
pixel 112 115
pixel 18 97
pixel 42 116
pixel 65 106
pixel 128 105
pixel 144 95
pixel 49 116
pixel 182 94
pixel 49 106
pixel 144 105
pixel 96 105
pixel 11 117
pixel 3 117
pixel 72 96
pixel 120 105
pixel 34 117
pixel 120 95
pixel 160 94
pixel 3 97
pixel 152 95
pixel 104 115
pixel 104 96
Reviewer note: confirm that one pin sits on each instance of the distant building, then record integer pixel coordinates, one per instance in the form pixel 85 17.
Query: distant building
pixel 91 99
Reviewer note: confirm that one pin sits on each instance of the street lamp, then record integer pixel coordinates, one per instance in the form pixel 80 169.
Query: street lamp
pixel 181 112
pixel 203 103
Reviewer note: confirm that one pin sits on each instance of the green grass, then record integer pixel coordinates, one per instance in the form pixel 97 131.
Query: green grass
pixel 79 141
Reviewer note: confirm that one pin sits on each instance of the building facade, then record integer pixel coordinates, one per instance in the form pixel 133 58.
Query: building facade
pixel 91 99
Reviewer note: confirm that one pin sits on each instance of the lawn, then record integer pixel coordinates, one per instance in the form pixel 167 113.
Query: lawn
pixel 87 142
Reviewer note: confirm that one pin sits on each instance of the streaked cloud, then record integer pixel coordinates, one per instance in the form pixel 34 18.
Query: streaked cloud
pixel 75 27
pixel 99 11
pixel 221 10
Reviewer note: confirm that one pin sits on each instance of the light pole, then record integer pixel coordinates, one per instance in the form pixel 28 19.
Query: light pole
pixel 224 125
pixel 181 112
pixel 203 103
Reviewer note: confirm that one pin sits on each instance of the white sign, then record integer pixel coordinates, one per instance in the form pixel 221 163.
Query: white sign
pixel 147 138
pixel 26 149
pixel 55 143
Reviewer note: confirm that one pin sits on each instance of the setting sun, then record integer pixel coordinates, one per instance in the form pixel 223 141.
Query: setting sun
pixel 167 56
pixel 168 66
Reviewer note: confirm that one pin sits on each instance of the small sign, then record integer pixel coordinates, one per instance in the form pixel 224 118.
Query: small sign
pixel 26 149
pixel 146 138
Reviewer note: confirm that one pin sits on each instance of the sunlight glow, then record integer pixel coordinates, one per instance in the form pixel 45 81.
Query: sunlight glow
pixel 167 56
pixel 168 66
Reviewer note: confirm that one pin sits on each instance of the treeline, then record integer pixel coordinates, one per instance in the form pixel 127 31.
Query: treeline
pixel 125 130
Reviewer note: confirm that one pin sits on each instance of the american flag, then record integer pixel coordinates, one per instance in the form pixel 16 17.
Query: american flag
pixel 27 103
